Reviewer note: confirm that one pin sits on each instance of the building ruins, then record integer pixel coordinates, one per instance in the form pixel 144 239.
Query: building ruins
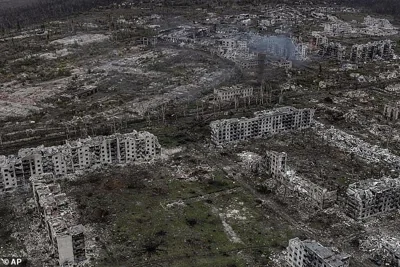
pixel 393 88
pixel 372 197
pixel 322 196
pixel 337 28
pixel 318 39
pixel 372 50
pixel 79 155
pixel 264 123
pixel 332 50
pixel 309 253
pixel 58 216
pixel 238 52
pixel 390 251
pixel 232 93
pixel 391 111
pixel 356 146
pixel 275 163
pixel 382 248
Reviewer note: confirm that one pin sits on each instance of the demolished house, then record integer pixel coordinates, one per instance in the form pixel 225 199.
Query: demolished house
pixel 309 253
pixel 265 123
pixel 372 197
pixel 66 236
pixel 79 155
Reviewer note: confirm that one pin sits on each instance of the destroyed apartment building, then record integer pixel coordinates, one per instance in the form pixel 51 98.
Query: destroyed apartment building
pixel 58 216
pixel 321 196
pixel 232 93
pixel 274 164
pixel 391 111
pixel 236 51
pixel 332 50
pixel 372 50
pixel 310 253
pixel 264 123
pixel 372 197
pixel 79 155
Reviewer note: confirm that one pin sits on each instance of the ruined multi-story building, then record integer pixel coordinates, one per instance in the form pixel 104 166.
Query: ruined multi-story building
pixel 66 236
pixel 372 197
pixel 310 253
pixel 275 163
pixel 391 111
pixel 75 156
pixel 238 52
pixel 318 40
pixel 332 50
pixel 264 123
pixel 365 52
pixel 232 93
pixel 337 28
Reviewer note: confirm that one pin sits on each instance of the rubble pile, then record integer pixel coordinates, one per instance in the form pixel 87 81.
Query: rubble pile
pixel 383 249
pixel 351 144
pixel 322 197
pixel 58 216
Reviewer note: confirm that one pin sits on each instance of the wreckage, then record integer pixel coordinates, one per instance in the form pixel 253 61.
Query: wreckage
pixel 58 216
pixel 274 164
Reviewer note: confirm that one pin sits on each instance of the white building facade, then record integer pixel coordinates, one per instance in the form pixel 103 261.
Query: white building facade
pixel 74 156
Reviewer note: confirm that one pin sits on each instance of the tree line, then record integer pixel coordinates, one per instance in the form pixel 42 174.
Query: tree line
pixel 43 10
